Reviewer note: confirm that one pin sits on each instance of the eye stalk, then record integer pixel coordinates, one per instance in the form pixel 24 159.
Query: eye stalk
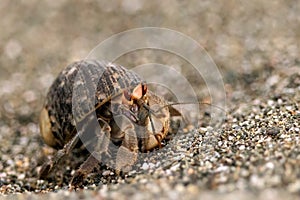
pixel 127 95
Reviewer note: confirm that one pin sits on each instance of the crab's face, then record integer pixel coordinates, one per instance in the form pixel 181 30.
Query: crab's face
pixel 137 103
pixel 146 111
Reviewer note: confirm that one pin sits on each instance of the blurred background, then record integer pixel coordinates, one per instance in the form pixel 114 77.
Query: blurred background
pixel 246 39
pixel 39 38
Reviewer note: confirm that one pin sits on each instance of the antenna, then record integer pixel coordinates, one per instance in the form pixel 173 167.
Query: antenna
pixel 182 103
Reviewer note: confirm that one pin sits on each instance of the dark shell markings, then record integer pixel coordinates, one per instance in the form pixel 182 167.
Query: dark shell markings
pixel 99 104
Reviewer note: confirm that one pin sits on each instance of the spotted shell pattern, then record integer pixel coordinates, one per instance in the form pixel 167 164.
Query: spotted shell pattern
pixel 57 122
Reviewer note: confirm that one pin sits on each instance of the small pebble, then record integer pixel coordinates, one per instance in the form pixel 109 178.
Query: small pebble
pixel 242 147
pixel 106 173
pixel 145 166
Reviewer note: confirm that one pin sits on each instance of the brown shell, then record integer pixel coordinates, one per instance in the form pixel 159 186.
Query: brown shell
pixel 80 81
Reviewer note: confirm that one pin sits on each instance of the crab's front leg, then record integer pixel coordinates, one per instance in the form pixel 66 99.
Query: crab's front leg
pixel 128 151
pixel 102 141
pixel 60 154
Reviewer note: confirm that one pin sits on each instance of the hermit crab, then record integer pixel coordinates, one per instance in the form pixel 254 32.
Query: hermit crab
pixel 102 105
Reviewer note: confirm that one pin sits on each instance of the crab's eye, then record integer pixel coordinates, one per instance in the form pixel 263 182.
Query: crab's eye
pixel 127 95
pixel 134 108
pixel 126 98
